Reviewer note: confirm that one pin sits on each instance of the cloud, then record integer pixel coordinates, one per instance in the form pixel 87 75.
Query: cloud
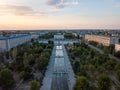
pixel 18 10
pixel 53 2
pixel 62 3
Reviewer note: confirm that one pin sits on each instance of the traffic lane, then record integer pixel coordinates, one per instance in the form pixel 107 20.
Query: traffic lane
pixel 59 82
pixel 71 75
pixel 59 65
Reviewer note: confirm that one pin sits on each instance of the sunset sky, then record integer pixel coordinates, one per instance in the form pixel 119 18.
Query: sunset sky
pixel 59 14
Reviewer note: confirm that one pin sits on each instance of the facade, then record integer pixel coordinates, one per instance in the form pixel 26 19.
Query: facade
pixel 103 39
pixel 6 43
pixel 34 35
pixel 1 33
pixel 59 37
pixel 117 47
pixel 75 34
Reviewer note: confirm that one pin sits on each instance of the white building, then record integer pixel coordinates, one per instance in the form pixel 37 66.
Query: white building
pixel 59 37
pixel 6 43
pixel 105 40
pixel 34 35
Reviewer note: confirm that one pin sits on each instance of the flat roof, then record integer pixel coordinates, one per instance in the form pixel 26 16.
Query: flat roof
pixel 14 36
pixel 103 35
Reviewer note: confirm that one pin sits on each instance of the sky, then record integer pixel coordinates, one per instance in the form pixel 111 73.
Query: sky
pixel 59 14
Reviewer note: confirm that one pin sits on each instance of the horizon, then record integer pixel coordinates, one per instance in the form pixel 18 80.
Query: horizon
pixel 59 29
pixel 59 14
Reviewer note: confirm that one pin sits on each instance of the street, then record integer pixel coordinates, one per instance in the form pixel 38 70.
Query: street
pixel 59 74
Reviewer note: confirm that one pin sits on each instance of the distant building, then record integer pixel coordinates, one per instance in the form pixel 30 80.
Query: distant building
pixel 1 34
pixel 105 40
pixel 34 35
pixel 75 34
pixel 117 47
pixel 6 43
pixel 58 37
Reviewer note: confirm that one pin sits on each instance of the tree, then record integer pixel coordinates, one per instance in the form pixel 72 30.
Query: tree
pixel 110 64
pixel 6 78
pixel 25 58
pixel 111 49
pixel 117 54
pixel 25 75
pixel 76 66
pixel 117 66
pixel 30 59
pixel 118 74
pixel 1 58
pixel 81 83
pixel 14 53
pixel 104 82
pixel 69 36
pixel 34 85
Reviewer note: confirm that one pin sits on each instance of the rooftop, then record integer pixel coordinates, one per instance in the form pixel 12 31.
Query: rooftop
pixel 14 36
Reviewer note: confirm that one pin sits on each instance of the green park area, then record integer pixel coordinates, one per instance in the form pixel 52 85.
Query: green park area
pixel 93 70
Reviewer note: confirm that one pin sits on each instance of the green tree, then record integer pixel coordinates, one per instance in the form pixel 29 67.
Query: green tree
pixel 117 67
pixel 6 78
pixel 117 54
pixel 34 85
pixel 14 53
pixel 30 59
pixel 104 82
pixel 76 66
pixel 25 75
pixel 1 58
pixel 25 58
pixel 118 74
pixel 81 83
pixel 110 64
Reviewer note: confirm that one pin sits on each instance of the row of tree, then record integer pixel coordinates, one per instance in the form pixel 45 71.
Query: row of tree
pixel 107 49
pixel 91 64
pixel 27 59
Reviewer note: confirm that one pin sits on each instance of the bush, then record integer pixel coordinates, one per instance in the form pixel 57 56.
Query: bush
pixel 81 83
pixel 6 78
pixel 104 82
pixel 118 74
pixel 34 85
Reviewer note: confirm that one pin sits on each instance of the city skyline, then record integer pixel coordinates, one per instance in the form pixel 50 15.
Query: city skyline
pixel 59 14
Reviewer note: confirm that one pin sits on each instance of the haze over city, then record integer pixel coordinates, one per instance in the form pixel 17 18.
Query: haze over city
pixel 59 14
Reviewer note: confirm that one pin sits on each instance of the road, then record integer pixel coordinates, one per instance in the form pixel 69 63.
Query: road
pixel 59 74
pixel 71 75
pixel 64 41
pixel 59 82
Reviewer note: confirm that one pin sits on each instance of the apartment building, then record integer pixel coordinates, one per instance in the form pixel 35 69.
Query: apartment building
pixel 105 40
pixel 8 42
pixel 117 47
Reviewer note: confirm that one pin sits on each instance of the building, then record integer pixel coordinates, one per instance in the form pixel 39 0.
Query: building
pixel 117 47
pixel 34 35
pixel 8 42
pixel 1 34
pixel 105 40
pixel 58 37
